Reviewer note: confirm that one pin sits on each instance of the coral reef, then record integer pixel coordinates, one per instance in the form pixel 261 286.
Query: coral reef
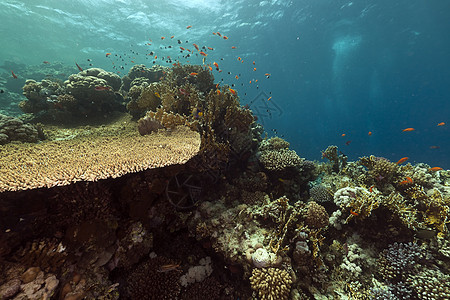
pixel 13 129
pixel 103 157
pixel 271 283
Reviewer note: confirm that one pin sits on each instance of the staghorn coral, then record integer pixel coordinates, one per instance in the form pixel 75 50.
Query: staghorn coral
pixel 13 129
pixel 52 164
pixel 271 283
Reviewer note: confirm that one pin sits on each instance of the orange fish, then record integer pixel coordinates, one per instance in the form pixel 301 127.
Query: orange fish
pixel 402 160
pixel 217 86
pixel 210 48
pixel 193 74
pixel 182 48
pixel 269 98
pixel 196 47
pixel 233 47
pixel 156 56
pixel 15 76
pixel 203 53
pixel 237 77
pixel 210 68
pixel 441 124
pixel 254 69
pixel 78 66
pixel 108 54
pixel 215 65
pixel 218 33
pixel 267 75
pixel 371 188
pixel 434 147
pixel 343 134
pixel 253 62
pixel 218 92
pixel 232 91
pixel 163 37
pixel 408 129
pixel 354 213
pixel 403 182
pixel 239 58
pixel 172 36
pixel 369 133
pixel 409 179
pixel 102 88
pixel 189 26
pixel 256 80
pixel 434 169
pixel 225 37
pixel 214 33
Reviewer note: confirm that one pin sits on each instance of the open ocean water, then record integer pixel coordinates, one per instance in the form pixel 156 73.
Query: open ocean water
pixel 337 69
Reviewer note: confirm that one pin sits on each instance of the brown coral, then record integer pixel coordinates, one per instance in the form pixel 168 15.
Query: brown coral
pixel 147 281
pixel 271 283
pixel 88 158
pixel 316 216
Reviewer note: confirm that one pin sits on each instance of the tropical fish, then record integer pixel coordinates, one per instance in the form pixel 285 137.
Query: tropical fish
pixel 216 65
pixel 434 147
pixel 108 54
pixel 408 129
pixel 193 74
pixel 403 182
pixel 157 95
pixel 409 179
pixel 237 77
pixel 343 134
pixel 233 47
pixel 218 33
pixel 102 88
pixel 353 213
pixel 210 68
pixel 269 98
pixel 45 62
pixel 182 48
pixel 225 37
pixel 172 36
pixel 196 47
pixel 441 124
pixel 267 75
pixel 218 92
pixel 203 53
pixel 402 160
pixel 14 75
pixel 434 169
pixel 232 91
pixel 210 48
pixel 369 133
pixel 163 37
pixel 189 26
pixel 79 68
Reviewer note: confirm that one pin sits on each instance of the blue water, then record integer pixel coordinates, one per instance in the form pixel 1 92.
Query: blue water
pixel 337 67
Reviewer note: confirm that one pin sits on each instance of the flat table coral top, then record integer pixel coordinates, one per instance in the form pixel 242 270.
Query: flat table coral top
pixel 87 158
